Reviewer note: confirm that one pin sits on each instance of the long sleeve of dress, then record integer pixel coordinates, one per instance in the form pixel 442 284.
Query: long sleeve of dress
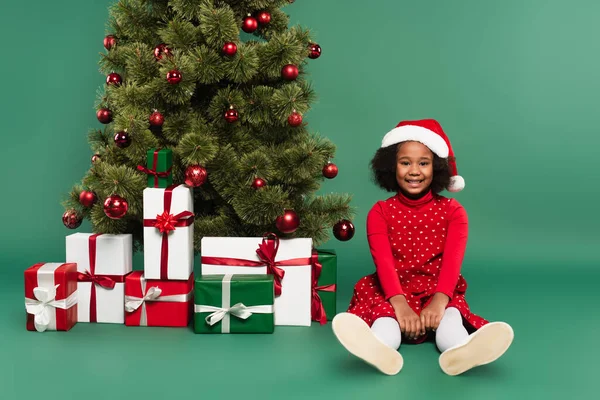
pixel 381 250
pixel 454 249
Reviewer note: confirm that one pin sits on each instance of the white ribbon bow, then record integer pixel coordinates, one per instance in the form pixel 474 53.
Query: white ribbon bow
pixel 239 310
pixel 133 303
pixel 42 307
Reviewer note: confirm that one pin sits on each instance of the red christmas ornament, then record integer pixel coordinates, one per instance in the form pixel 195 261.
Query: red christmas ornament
pixel 289 72
pixel 174 76
pixel 330 170
pixel 104 115
pixel 295 119
pixel 96 158
pixel 156 119
pixel 229 49
pixel 343 230
pixel 288 222
pixel 258 183
pixel 122 139
pixel 87 198
pixel 264 18
pixel 115 207
pixel 315 51
pixel 162 50
pixel 71 220
pixel 231 115
pixel 250 24
pixel 109 42
pixel 114 79
pixel 195 175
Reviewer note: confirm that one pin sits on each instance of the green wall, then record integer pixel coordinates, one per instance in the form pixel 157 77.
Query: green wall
pixel 514 84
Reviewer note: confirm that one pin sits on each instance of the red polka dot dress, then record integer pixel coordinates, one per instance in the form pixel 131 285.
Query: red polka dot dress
pixel 418 247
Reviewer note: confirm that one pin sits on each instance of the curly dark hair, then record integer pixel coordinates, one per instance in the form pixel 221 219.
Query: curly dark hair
pixel 383 167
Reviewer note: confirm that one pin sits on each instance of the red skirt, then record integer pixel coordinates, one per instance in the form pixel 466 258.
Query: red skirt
pixel 369 303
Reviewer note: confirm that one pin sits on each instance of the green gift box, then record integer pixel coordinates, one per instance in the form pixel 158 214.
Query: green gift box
pixel 324 286
pixel 158 167
pixel 234 304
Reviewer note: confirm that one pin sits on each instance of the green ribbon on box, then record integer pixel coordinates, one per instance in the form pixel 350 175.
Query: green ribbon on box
pixel 234 304
pixel 324 284
pixel 158 168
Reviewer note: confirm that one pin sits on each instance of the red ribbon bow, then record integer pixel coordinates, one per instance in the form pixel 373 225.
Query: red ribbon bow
pixel 317 310
pixel 267 252
pixel 165 223
pixel 106 281
pixel 153 170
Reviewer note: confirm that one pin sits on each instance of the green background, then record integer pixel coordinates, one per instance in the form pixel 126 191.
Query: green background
pixel 514 84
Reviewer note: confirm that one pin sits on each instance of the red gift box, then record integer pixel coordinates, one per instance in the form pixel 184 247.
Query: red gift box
pixel 51 296
pixel 154 302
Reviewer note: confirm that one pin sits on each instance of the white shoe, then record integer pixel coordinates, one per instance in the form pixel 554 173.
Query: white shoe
pixel 356 336
pixel 481 347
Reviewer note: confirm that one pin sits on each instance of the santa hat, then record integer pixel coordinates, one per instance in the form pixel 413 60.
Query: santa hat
pixel 430 133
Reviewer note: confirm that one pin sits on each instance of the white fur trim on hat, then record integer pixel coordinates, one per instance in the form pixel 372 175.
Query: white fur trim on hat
pixel 418 134
pixel 457 183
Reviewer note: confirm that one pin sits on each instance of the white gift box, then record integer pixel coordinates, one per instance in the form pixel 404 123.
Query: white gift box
pixel 113 260
pixel 293 306
pixel 180 241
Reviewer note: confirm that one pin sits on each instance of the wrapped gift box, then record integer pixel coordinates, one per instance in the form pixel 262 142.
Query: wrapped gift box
pixel 268 255
pixel 103 261
pixel 158 168
pixel 150 302
pixel 324 285
pixel 168 233
pixel 234 304
pixel 51 296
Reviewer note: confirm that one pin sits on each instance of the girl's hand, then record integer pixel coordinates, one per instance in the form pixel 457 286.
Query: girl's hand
pixel 433 313
pixel 409 321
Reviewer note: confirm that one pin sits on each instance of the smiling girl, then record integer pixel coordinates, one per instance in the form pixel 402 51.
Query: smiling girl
pixel 417 239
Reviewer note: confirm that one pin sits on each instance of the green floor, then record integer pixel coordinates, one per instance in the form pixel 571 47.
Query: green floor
pixel 553 355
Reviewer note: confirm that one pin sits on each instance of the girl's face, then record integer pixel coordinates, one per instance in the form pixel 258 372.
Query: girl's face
pixel 414 167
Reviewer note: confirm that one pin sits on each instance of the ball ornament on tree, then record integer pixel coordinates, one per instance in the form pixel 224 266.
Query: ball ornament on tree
pixel 343 230
pixel 314 51
pixel 330 170
pixel 122 139
pixel 162 50
pixel 174 76
pixel 288 222
pixel 195 175
pixel 71 219
pixel 264 18
pixel 104 115
pixel 295 119
pixel 114 79
pixel 250 24
pixel 289 72
pixel 258 183
pixel 87 198
pixel 229 49
pixel 115 207
pixel 109 42
pixel 231 115
pixel 156 119
pixel 96 158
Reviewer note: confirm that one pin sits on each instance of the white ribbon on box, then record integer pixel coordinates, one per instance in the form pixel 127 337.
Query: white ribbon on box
pixel 44 306
pixel 132 303
pixel 224 312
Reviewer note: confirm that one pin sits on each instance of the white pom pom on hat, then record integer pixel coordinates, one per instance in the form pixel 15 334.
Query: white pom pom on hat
pixel 430 133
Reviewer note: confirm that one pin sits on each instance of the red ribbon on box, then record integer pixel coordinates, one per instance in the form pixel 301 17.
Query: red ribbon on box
pixel 106 281
pixel 153 170
pixel 166 223
pixel 267 252
pixel 317 310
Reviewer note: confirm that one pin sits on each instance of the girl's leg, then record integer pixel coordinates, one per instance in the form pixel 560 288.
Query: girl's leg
pixel 375 347
pixel 461 351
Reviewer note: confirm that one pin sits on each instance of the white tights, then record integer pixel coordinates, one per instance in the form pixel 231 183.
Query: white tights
pixel 449 333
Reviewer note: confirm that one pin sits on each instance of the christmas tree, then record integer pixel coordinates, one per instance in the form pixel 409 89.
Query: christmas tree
pixel 229 105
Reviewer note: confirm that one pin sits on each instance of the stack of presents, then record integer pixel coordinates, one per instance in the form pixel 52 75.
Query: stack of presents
pixel 246 285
